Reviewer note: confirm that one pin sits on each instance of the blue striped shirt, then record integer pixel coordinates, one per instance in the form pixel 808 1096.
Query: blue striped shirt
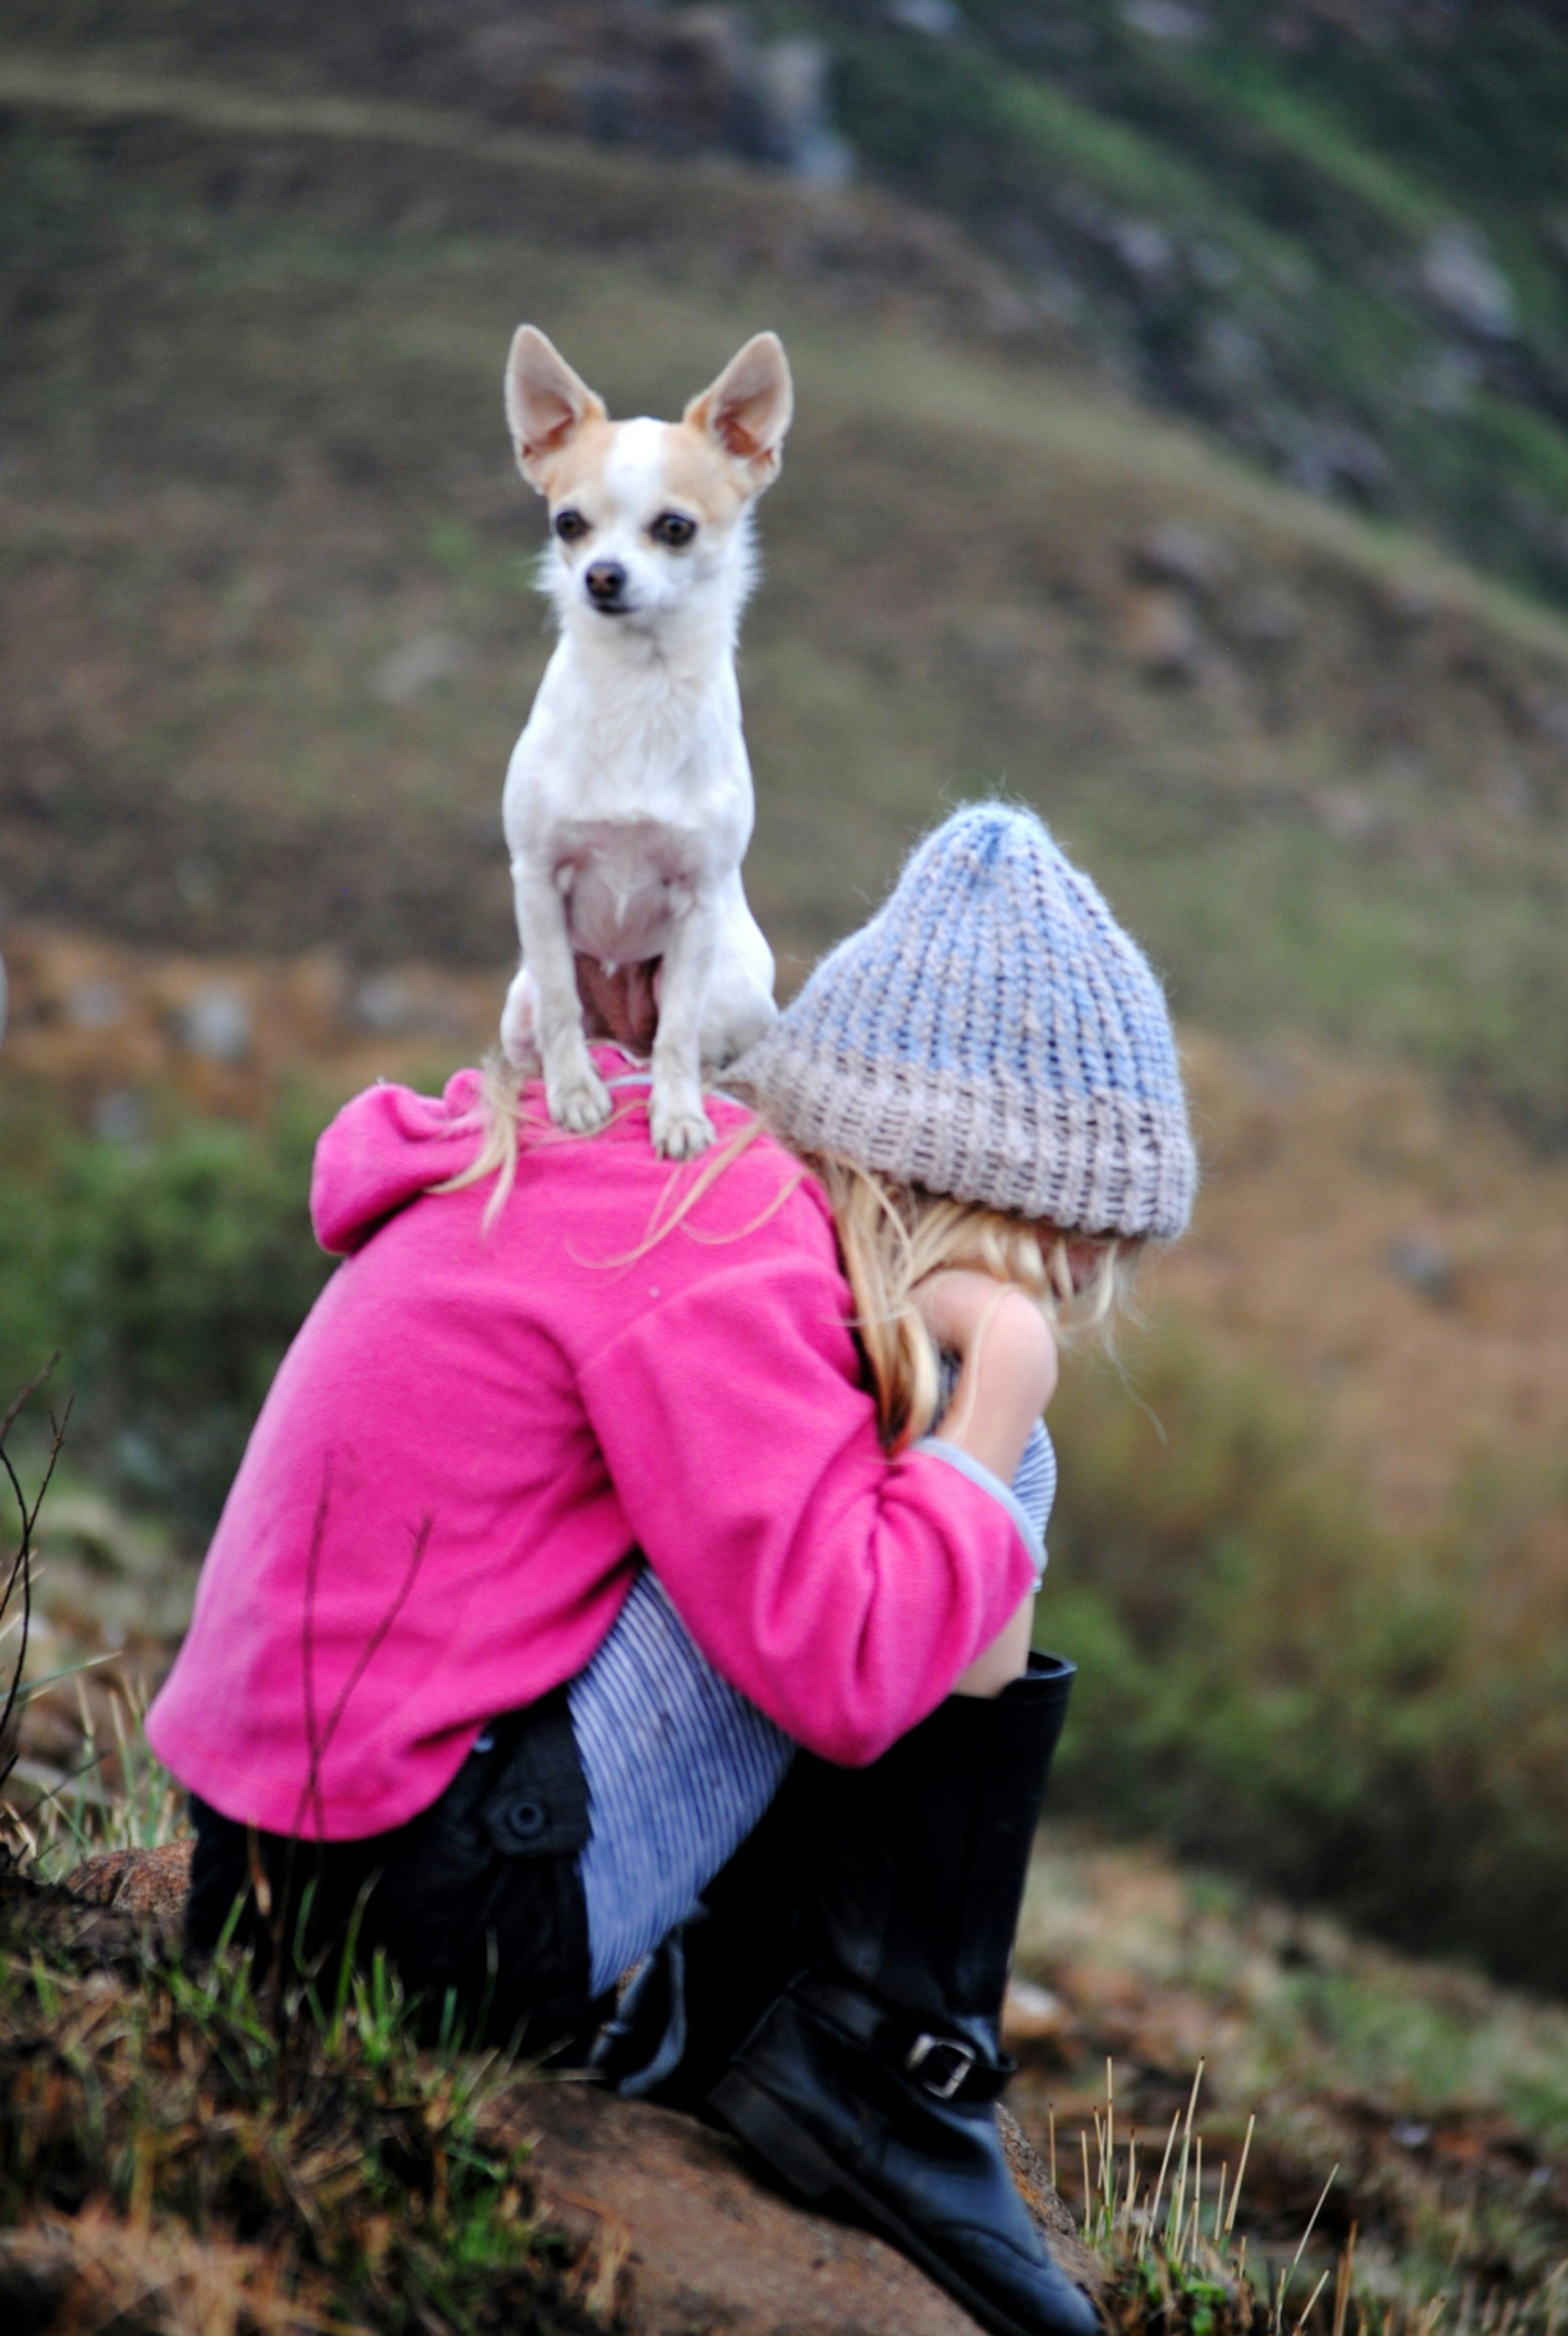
pixel 679 1765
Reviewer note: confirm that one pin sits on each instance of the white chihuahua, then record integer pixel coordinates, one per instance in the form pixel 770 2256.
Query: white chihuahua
pixel 629 803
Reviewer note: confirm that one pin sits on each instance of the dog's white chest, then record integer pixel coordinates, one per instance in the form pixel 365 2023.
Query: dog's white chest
pixel 625 883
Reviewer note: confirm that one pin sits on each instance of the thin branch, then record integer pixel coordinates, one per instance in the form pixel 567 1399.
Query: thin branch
pixel 22 1564
pixel 9 1417
pixel 318 1740
pixel 379 1635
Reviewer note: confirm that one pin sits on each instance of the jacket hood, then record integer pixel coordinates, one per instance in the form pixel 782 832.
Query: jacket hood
pixel 383 1149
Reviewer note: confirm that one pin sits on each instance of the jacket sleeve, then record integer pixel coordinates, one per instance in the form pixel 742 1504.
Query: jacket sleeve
pixel 843 1592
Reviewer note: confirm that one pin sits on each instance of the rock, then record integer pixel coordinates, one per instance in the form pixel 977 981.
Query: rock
pixel 790 80
pixel 941 19
pixel 1447 386
pixel 145 1885
pixel 1052 2219
pixel 405 1005
pixel 1268 619
pixel 1176 553
pixel 1214 265
pixel 1547 711
pixel 1160 633
pixel 1331 458
pixel 1145 251
pixel 1427 1269
pixel 217 1024
pixel 95 1003
pixel 1461 279
pixel 1231 357
pixel 687 2239
pixel 92 1933
pixel 1166 20
pixel 1031 2014
pixel 122 1116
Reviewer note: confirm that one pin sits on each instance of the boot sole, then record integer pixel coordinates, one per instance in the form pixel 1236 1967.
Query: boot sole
pixel 794 2154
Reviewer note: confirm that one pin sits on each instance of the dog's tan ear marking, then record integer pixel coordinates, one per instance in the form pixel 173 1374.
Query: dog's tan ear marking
pixel 747 410
pixel 546 403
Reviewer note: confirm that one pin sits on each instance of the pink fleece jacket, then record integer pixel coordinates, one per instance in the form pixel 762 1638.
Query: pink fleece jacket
pixel 476 1431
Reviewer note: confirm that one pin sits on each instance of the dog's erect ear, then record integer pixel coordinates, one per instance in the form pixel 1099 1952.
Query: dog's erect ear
pixel 546 403
pixel 747 410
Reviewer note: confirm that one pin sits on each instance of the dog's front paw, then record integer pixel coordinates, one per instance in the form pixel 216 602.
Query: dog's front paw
pixel 578 1099
pixel 681 1128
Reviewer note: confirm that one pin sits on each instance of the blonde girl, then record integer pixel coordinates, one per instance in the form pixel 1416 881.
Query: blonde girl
pixel 628 1572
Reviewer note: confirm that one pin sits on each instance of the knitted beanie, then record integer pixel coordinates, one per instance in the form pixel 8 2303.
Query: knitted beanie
pixel 993 1034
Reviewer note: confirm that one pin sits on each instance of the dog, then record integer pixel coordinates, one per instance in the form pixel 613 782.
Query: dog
pixel 629 805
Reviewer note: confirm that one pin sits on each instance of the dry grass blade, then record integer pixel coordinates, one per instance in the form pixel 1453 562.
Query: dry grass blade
pixel 1241 2170
pixel 1312 2223
pixel 1342 2282
pixel 1311 2301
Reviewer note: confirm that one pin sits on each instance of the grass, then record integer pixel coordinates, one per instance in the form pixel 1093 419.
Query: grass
pixel 295 2159
pixel 1434 2101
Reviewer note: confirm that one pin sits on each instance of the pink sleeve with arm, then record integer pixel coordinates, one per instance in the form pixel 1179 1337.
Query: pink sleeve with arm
pixel 841 1590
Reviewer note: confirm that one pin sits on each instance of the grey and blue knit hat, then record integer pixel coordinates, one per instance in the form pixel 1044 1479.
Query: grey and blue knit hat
pixel 992 1033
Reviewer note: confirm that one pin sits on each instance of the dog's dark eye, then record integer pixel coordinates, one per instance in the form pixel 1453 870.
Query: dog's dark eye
pixel 570 526
pixel 673 528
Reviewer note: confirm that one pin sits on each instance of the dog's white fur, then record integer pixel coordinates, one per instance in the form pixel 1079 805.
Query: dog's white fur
pixel 628 803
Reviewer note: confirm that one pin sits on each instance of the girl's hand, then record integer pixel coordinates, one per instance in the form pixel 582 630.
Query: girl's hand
pixel 999 1330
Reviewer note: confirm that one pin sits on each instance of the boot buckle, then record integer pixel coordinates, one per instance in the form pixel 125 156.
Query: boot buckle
pixel 941 2086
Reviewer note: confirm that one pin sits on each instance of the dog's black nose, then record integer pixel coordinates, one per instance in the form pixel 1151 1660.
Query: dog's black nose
pixel 606 581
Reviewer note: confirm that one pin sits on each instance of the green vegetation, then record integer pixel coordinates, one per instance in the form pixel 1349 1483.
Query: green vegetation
pixel 169 1278
pixel 1364 1720
pixel 1243 200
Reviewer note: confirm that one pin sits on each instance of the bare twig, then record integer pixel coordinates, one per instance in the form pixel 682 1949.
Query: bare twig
pixel 13 1411
pixel 318 1740
pixel 22 1564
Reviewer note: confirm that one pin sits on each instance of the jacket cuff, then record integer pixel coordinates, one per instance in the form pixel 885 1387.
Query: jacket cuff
pixel 978 1473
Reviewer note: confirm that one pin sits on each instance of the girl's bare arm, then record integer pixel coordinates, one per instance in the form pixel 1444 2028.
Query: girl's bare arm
pixel 1006 1376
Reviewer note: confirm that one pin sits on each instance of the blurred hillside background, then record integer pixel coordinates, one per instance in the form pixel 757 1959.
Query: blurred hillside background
pixel 1182 447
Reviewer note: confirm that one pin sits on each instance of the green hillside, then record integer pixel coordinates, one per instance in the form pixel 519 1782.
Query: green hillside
pixel 268 626
pixel 1337 237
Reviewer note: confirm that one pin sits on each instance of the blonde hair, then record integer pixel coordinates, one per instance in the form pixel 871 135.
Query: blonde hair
pixel 892 1237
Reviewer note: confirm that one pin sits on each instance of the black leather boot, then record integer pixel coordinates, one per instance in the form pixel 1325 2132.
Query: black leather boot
pixel 870 2081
